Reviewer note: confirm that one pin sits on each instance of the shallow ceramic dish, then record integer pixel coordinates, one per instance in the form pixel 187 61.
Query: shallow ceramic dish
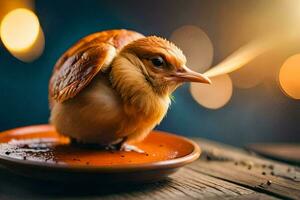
pixel 39 152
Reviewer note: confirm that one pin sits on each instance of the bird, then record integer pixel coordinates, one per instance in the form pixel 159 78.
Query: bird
pixel 113 87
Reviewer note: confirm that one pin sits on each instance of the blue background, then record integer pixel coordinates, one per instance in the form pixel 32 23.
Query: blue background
pixel 258 114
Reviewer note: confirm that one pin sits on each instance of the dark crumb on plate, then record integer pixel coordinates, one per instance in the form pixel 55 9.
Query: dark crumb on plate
pixel 7 152
pixel 271 166
pixel 26 146
pixel 263 173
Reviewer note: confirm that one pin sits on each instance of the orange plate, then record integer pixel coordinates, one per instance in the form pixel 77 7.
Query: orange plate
pixel 39 152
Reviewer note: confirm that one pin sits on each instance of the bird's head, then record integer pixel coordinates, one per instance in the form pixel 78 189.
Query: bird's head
pixel 160 63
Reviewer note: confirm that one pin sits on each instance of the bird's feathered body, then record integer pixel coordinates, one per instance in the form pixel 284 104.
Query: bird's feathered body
pixel 115 85
pixel 99 114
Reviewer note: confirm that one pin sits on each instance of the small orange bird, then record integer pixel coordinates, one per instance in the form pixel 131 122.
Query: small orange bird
pixel 113 87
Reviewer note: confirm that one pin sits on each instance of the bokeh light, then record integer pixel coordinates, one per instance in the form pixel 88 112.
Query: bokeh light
pixel 289 77
pixel 19 29
pixel 213 96
pixel 196 45
pixel 8 5
pixel 22 35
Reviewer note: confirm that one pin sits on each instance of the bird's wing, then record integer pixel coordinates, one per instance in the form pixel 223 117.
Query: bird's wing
pixel 89 56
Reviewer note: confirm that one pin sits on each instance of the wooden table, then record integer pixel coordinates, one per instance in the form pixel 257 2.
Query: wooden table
pixel 222 172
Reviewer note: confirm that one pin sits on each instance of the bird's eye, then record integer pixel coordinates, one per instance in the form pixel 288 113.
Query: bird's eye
pixel 157 61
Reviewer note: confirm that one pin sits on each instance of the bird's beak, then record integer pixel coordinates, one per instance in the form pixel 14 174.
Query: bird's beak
pixel 187 75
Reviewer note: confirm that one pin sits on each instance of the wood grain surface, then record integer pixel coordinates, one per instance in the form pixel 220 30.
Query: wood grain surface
pixel 222 172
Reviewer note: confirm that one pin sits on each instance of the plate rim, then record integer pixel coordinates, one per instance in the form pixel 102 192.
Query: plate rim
pixel 165 164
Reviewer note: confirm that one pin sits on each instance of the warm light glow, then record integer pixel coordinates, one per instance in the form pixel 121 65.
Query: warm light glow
pixel 289 77
pixel 196 45
pixel 19 29
pixel 213 96
pixel 254 72
pixel 21 34
pixel 9 5
pixel 250 51
pixel 247 77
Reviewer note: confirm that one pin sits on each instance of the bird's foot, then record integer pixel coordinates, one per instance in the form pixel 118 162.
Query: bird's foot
pixel 114 146
pixel 127 147
pixel 111 147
